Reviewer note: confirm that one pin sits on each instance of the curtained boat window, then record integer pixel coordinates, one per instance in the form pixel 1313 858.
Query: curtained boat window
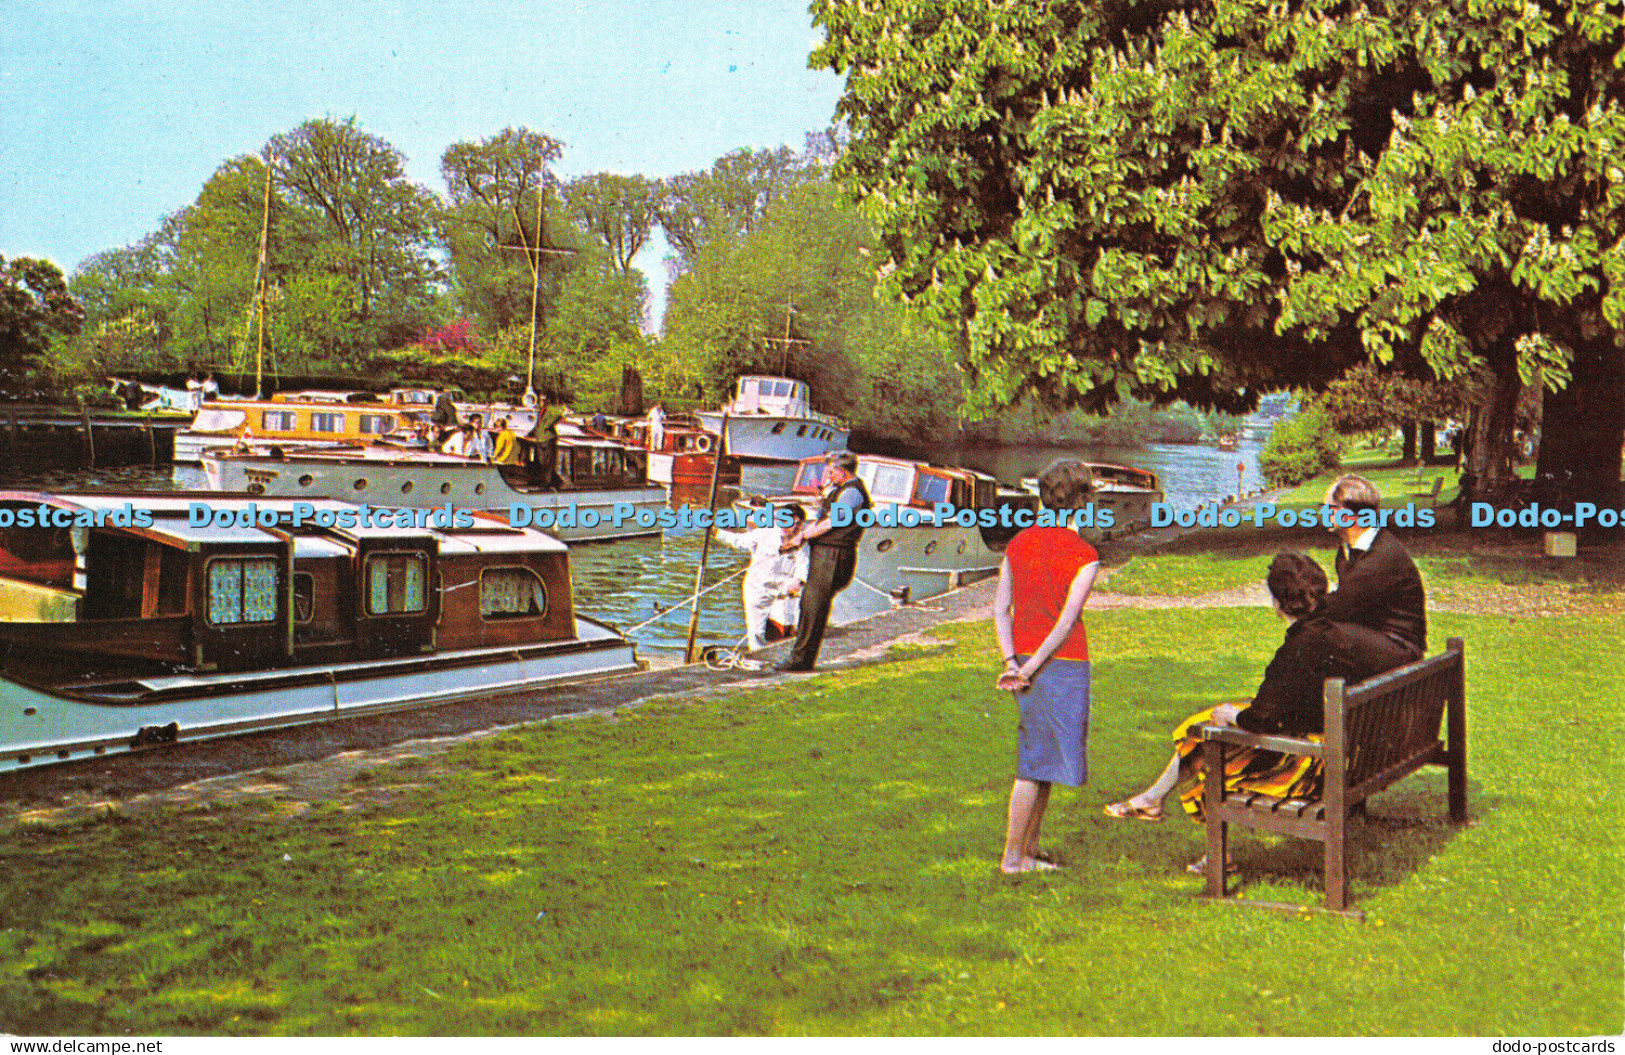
pixel 278 421
pixel 322 421
pixel 931 489
pixel 242 590
pixel 511 593
pixel 376 424
pixel 395 583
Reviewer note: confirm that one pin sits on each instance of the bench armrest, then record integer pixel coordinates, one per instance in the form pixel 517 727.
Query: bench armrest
pixel 1289 745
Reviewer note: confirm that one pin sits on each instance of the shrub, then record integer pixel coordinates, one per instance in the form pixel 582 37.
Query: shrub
pixel 1299 448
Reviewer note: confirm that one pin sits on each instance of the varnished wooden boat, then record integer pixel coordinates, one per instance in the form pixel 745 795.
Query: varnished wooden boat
pixel 202 619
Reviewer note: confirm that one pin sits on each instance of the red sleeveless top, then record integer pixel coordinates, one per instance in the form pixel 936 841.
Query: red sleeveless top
pixel 1043 562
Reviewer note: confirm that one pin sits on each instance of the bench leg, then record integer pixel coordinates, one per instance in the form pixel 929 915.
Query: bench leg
pixel 1217 830
pixel 1337 860
pixel 1455 732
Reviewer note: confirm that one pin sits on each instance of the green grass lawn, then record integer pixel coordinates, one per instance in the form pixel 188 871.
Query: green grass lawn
pixel 820 858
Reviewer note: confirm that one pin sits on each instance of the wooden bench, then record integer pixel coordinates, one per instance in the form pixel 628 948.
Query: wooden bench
pixel 1376 732
pixel 1433 495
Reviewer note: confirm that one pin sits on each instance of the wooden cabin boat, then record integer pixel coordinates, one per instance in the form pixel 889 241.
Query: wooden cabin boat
pixel 603 492
pixel 326 419
pixel 898 563
pixel 297 419
pixel 134 620
pixel 1127 492
pixel 771 419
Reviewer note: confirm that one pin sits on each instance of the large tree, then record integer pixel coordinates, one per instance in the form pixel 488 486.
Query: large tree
pixel 1210 199
pixel 35 306
pixel 620 211
pixel 731 198
pixel 381 224
pixel 492 230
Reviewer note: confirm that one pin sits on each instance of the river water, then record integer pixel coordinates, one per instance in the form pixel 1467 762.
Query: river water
pixel 641 585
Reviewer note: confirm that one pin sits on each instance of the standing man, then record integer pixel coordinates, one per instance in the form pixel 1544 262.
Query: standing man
pixel 657 427
pixel 542 445
pixel 832 558
pixel 1379 597
pixel 444 416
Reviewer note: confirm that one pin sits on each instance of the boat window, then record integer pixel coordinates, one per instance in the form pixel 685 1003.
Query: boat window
pixel 779 427
pixel 395 583
pixel 511 593
pixel 218 420
pixel 810 478
pixel 891 481
pixel 304 596
pixel 242 590
pixel 277 421
pixel 781 388
pixel 322 421
pixel 802 431
pixel 376 424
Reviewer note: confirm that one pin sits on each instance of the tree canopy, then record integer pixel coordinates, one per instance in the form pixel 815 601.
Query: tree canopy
pixel 34 304
pixel 1211 199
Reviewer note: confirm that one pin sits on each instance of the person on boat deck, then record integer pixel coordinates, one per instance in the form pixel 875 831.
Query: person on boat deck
pixel 505 448
pixel 211 387
pixel 444 416
pixel 194 393
pixel 480 442
pixel 1289 702
pixel 542 445
pixel 1044 582
pixel 773 572
pixel 600 422
pixel 461 443
pixel 657 427
pixel 833 558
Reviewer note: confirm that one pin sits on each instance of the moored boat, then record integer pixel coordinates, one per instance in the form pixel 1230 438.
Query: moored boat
pixel 1125 492
pixel 602 491
pixel 909 553
pixel 296 419
pixel 128 621
pixel 771 419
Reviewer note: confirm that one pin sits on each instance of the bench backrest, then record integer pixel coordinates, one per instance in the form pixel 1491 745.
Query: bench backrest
pixel 1389 725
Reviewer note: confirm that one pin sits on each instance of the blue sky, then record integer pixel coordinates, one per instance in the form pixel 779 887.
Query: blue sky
pixel 113 113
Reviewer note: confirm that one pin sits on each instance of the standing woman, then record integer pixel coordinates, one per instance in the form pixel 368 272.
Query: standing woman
pixel 1045 579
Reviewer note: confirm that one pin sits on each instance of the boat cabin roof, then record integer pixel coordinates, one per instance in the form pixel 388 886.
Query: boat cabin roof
pixel 905 481
pixel 172 523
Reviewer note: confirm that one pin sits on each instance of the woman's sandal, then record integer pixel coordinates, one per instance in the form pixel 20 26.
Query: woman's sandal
pixel 1127 811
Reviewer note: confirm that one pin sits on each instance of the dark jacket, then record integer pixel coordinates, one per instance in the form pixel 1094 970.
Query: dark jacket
pixel 846 535
pixel 1381 589
pixel 1291 699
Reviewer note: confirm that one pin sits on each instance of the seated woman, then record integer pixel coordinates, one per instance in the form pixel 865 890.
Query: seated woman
pixel 1289 702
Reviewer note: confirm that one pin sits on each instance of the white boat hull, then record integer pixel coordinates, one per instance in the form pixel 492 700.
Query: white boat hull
pixel 892 559
pixel 779 438
pixel 38 727
pixel 380 480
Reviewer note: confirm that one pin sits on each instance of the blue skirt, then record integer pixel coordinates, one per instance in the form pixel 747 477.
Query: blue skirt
pixel 1054 741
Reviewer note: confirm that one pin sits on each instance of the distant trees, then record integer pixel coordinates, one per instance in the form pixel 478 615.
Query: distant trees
pixel 803 270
